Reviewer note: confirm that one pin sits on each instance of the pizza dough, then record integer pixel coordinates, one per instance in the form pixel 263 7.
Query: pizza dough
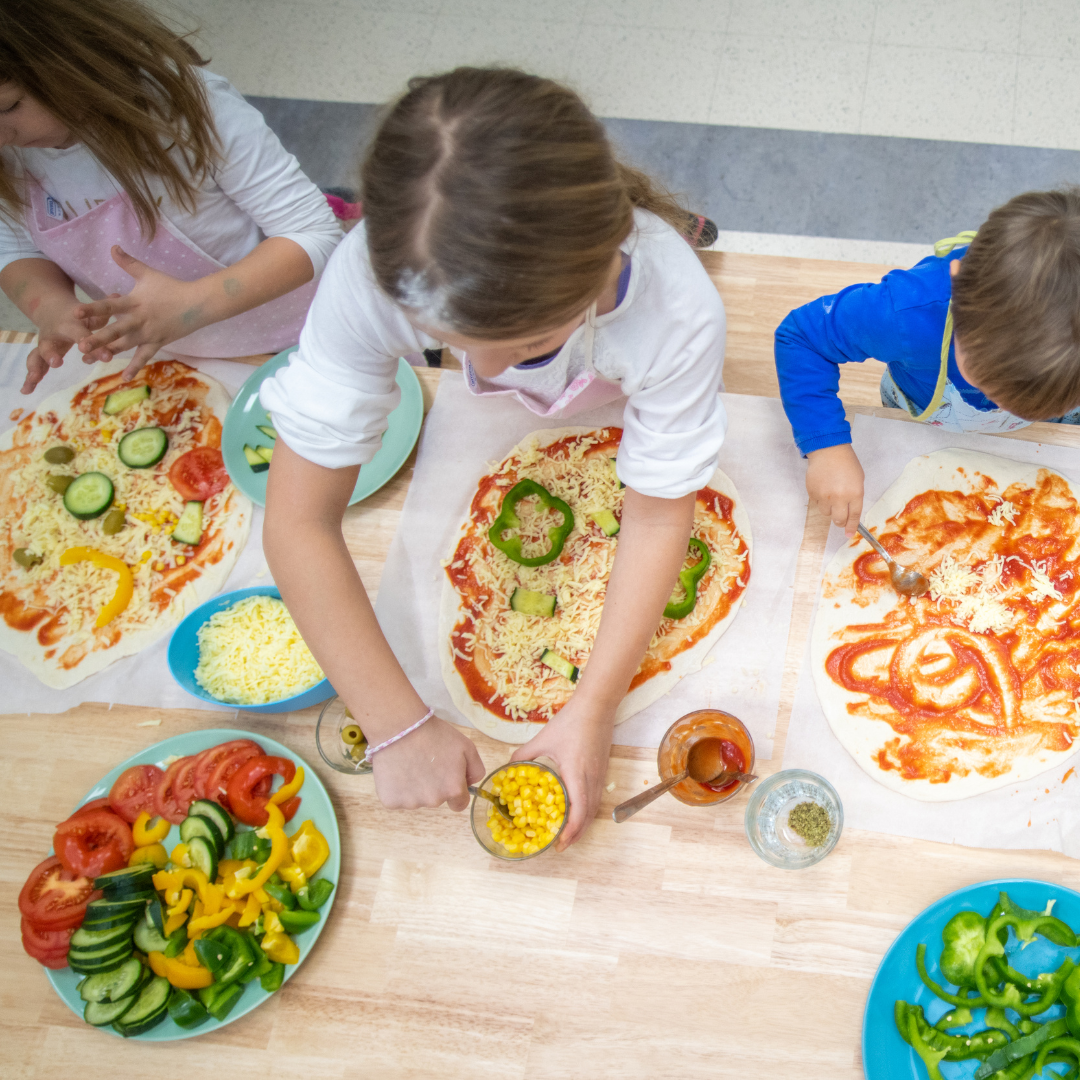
pixel 723 586
pixel 975 685
pixel 48 612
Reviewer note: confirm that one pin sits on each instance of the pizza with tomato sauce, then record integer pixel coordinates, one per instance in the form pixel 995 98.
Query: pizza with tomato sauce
pixel 117 517
pixel 976 684
pixel 516 636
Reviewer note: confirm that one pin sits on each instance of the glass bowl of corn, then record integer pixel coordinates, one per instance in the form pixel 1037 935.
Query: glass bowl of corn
pixel 534 796
pixel 342 745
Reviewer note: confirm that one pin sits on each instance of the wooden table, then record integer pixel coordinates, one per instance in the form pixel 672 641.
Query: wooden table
pixel 659 948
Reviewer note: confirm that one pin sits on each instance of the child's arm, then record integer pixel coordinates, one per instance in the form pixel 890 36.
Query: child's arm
pixel 651 551
pixel 306 551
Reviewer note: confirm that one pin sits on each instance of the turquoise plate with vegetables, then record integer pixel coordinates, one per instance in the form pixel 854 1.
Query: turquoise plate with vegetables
pixel 247 440
pixel 304 926
pixel 1033 1007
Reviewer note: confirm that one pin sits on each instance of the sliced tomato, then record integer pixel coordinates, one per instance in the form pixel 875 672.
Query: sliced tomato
pixel 208 761
pixel 93 844
pixel 184 784
pixel 199 473
pixel 93 804
pixel 54 898
pixel 167 800
pixel 246 804
pixel 133 792
pixel 46 945
pixel 218 785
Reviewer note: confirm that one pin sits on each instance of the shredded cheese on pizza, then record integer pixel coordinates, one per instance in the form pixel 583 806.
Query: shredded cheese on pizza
pixel 1004 512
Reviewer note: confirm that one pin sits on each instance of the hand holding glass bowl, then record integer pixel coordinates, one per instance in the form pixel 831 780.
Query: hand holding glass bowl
pixel 534 795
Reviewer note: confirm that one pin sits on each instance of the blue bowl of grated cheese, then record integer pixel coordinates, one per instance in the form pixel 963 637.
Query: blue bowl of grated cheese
pixel 256 652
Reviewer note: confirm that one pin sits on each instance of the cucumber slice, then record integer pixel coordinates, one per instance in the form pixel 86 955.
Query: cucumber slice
pixel 106 922
pixel 557 663
pixel 95 939
pixel 148 940
pixel 143 447
pixel 149 1010
pixel 196 825
pixel 265 452
pixel 110 962
pixel 189 528
pixel 254 459
pixel 532 603
pixel 88 496
pixel 101 1013
pixel 120 400
pixel 203 856
pixel 155 915
pixel 213 812
pixel 607 521
pixel 614 473
pixel 268 431
pixel 134 878
pixel 243 844
pixel 113 985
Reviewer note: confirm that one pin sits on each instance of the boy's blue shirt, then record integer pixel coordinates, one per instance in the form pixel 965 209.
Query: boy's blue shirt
pixel 900 321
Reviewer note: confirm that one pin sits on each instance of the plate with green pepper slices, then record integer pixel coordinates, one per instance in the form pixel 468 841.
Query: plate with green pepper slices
pixel 303 923
pixel 929 1014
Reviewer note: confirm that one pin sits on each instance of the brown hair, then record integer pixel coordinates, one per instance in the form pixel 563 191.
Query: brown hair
pixel 494 205
pixel 1016 305
pixel 124 85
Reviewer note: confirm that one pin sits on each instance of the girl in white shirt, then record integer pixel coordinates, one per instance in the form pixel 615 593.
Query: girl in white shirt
pixel 152 185
pixel 497 223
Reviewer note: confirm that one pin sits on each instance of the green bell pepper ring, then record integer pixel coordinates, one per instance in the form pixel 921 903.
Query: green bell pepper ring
pixel 953 999
pixel 688 579
pixel 1066 1043
pixel 272 980
pixel 314 894
pixel 507 520
pixel 1019 1049
pixel 280 892
pixel 296 922
pixel 186 1010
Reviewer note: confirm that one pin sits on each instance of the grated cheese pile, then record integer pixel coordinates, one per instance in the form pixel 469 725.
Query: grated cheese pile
pixel 252 654
pixel 510 642
pixel 1004 512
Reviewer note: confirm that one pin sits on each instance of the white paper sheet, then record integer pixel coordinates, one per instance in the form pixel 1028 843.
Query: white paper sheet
pixel 1043 812
pixel 463 433
pixel 142 679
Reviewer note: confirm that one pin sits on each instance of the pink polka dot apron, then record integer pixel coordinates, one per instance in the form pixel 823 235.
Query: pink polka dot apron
pixel 582 388
pixel 82 247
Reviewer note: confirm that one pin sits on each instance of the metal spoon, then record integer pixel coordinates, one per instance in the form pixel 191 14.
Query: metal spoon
pixel 493 799
pixel 705 764
pixel 905 581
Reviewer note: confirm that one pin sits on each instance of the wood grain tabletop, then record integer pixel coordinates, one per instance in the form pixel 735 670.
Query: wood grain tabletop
pixel 659 948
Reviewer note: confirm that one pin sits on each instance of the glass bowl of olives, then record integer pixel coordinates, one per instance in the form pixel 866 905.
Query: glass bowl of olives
pixel 342 745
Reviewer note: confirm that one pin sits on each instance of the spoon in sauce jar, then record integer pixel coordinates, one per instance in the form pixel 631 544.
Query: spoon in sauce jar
pixel 905 581
pixel 705 763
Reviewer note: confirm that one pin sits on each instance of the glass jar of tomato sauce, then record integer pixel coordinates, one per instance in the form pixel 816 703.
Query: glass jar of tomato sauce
pixel 736 745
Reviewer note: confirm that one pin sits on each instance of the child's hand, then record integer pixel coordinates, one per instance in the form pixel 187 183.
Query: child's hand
pixel 159 309
pixel 56 335
pixel 579 742
pixel 433 765
pixel 834 481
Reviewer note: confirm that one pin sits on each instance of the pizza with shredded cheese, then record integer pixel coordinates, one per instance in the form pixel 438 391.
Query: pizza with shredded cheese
pixel 493 656
pixel 976 684
pixel 81 590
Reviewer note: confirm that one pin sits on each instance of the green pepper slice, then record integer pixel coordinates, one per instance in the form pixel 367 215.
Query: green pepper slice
pixel 280 892
pixel 688 579
pixel 956 1047
pixel 507 519
pixel 963 939
pixel 1020 1049
pixel 216 955
pixel 272 980
pixel 219 1000
pixel 296 922
pixel 177 943
pixel 186 1010
pixel 314 894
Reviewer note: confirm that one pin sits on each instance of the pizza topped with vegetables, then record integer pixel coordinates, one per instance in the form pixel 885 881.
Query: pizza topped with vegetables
pixel 526 580
pixel 116 517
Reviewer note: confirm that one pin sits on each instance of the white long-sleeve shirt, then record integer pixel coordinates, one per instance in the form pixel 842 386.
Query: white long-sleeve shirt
pixel 256 190
pixel 664 344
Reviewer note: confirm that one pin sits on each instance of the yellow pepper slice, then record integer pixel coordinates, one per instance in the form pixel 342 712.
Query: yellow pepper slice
pixel 309 848
pixel 252 910
pixel 179 856
pixel 174 922
pixel 125 587
pixel 280 948
pixel 148 830
pixel 189 956
pixel 212 897
pixel 287 791
pixel 294 875
pixel 180 905
pixel 178 973
pixel 279 852
pixel 151 853
pixel 207 922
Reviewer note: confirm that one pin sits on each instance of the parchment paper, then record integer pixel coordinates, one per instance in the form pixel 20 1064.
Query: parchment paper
pixel 1043 812
pixel 142 679
pixel 464 433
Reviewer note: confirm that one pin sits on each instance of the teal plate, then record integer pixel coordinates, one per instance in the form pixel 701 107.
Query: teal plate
pixel 315 805
pixel 246 413
pixel 885 1055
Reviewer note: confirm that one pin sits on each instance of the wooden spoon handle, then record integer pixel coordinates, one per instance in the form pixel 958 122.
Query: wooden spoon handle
pixel 632 806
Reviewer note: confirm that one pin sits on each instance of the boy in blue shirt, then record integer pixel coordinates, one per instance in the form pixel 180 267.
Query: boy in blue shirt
pixel 986 339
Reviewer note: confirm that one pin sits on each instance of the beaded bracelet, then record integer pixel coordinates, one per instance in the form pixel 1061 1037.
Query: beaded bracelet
pixel 373 750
